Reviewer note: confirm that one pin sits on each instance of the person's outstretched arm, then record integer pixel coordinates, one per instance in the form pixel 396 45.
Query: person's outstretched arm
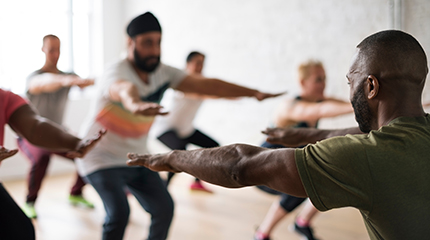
pixel 294 137
pixel 313 111
pixel 127 93
pixel 231 166
pixel 44 133
pixel 51 82
pixel 219 88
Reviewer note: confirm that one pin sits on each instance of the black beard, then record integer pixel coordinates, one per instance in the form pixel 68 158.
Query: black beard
pixel 142 63
pixel 362 112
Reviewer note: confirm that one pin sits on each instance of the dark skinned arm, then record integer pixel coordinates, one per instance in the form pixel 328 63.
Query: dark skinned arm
pixel 44 133
pixel 232 166
pixel 294 137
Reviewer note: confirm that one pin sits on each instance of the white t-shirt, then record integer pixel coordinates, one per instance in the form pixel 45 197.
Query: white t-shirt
pixel 182 111
pixel 126 132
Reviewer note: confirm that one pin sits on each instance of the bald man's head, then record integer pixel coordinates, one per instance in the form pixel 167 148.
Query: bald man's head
pixel 393 54
pixel 386 77
pixel 51 48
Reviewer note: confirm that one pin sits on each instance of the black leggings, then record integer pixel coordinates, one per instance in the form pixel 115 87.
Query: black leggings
pixel 287 202
pixel 13 222
pixel 174 142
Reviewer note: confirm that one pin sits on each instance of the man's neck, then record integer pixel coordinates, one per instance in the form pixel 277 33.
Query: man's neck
pixel 386 115
pixel 50 68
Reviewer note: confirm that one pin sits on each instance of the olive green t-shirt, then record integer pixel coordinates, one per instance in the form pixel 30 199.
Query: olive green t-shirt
pixel 385 174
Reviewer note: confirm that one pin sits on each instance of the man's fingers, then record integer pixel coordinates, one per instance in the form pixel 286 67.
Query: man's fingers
pixel 163 113
pixel 86 146
pixel 101 133
pixel 279 94
pixel 10 153
pixel 13 152
pixel 74 154
pixel 5 153
pixel 135 160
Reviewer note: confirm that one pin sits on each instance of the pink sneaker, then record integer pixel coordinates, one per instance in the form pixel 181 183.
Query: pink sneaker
pixel 198 186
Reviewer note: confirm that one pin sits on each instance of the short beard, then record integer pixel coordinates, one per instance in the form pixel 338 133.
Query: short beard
pixel 142 64
pixel 362 112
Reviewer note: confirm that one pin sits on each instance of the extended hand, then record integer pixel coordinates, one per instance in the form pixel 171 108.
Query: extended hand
pixel 155 162
pixel 86 145
pixel 284 136
pixel 147 109
pixel 83 83
pixel 5 153
pixel 261 96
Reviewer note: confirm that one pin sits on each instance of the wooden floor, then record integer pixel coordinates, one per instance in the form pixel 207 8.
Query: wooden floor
pixel 226 214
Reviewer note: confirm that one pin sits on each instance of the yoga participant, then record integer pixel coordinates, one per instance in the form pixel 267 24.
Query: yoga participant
pixel 383 172
pixel 41 132
pixel 47 90
pixel 126 104
pixel 176 130
pixel 303 111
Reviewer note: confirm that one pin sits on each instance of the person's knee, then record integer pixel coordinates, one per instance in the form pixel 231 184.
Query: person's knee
pixel 168 209
pixel 118 217
pixel 164 210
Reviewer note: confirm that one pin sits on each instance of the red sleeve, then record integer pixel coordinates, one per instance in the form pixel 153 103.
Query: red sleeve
pixel 10 103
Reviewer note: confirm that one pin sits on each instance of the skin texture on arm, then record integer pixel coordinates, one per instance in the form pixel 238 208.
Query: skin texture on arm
pixel 219 88
pixel 126 92
pixel 44 133
pixel 294 137
pixel 231 166
pixel 51 82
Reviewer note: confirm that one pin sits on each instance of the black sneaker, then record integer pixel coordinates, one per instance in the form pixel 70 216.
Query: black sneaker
pixel 304 231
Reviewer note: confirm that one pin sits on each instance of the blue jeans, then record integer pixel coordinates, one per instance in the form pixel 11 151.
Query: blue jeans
pixel 146 186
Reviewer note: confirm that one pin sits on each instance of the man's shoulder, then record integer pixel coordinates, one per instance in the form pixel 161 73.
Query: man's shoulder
pixel 348 142
pixel 34 73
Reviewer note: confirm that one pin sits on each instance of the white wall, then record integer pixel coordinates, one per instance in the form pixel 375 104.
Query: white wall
pixel 254 43
pixel 260 43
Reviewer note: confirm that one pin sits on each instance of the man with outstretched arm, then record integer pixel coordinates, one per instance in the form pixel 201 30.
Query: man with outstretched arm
pixel 126 103
pixel 47 89
pixel 383 173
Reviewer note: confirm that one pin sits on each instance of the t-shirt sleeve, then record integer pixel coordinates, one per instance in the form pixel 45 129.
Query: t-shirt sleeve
pixel 11 103
pixel 175 75
pixel 113 73
pixel 335 173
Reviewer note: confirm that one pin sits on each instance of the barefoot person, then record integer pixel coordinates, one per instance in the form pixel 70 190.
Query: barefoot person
pixel 383 172
pixel 48 90
pixel 41 132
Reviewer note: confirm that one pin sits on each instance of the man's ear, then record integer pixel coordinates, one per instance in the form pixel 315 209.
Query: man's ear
pixel 372 86
pixel 129 42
